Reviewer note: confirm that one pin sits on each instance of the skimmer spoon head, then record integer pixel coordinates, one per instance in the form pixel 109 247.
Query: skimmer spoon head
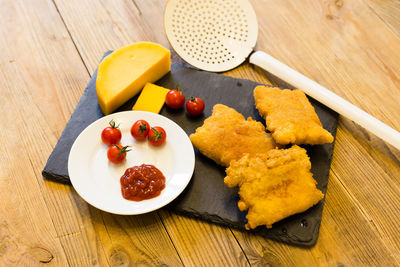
pixel 212 35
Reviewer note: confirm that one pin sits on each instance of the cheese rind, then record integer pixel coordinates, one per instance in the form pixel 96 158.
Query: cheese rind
pixel 123 73
pixel 152 98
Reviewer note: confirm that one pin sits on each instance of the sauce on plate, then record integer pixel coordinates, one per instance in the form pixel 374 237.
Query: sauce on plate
pixel 142 182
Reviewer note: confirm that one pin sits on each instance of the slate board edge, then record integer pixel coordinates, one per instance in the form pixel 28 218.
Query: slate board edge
pixel 64 179
pixel 212 218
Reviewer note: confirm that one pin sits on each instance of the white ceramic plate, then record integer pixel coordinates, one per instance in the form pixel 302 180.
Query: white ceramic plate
pixel 98 181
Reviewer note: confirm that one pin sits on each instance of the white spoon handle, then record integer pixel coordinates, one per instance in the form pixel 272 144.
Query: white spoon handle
pixel 326 97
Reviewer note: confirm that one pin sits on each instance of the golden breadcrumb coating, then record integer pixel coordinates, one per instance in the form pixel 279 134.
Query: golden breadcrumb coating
pixel 290 116
pixel 273 185
pixel 227 135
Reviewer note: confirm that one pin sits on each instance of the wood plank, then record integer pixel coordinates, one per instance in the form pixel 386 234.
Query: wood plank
pixel 43 78
pixel 130 241
pixel 152 13
pixel 25 238
pixel 108 25
pixel 372 182
pixel 135 24
pixel 388 11
pixel 191 235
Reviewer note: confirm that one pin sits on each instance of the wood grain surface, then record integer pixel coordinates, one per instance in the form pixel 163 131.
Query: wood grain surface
pixel 49 49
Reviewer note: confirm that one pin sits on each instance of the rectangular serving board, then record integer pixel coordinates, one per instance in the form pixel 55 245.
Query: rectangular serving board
pixel 207 197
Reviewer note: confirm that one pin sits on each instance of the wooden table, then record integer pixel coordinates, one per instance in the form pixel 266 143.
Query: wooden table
pixel 49 50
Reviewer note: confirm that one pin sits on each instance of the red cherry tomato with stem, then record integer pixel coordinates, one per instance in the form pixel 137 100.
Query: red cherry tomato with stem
pixel 140 129
pixel 111 134
pixel 195 106
pixel 157 136
pixel 175 98
pixel 117 153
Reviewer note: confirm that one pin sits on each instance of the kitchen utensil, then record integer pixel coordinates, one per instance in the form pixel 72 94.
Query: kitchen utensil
pixel 218 35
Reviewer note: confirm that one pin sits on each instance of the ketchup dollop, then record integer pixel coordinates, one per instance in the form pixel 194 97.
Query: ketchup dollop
pixel 142 182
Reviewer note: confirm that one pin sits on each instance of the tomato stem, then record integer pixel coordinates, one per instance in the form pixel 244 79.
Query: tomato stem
pixel 112 124
pixel 122 150
pixel 142 128
pixel 192 98
pixel 158 135
pixel 179 89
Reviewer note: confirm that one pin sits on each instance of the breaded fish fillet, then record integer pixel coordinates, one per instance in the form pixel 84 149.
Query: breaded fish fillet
pixel 227 135
pixel 273 185
pixel 290 116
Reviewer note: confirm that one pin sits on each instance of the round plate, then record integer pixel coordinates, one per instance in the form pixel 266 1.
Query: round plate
pixel 98 181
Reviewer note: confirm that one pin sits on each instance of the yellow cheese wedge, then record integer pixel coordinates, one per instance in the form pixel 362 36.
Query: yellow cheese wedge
pixel 151 98
pixel 124 72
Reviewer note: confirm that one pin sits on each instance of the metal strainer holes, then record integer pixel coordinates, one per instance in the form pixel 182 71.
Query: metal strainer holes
pixel 207 31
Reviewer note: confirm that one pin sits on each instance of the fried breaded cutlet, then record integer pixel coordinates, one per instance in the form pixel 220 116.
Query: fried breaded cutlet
pixel 227 135
pixel 273 185
pixel 290 116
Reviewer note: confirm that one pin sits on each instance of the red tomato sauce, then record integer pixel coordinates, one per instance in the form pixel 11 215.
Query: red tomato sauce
pixel 142 182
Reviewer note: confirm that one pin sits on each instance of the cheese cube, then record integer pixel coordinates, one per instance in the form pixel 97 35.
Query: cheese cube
pixel 124 72
pixel 151 98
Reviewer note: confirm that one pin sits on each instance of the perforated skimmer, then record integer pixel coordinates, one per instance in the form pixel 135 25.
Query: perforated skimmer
pixel 209 34
pixel 218 35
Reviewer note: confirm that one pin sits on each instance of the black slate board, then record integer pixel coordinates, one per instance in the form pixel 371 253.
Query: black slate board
pixel 206 196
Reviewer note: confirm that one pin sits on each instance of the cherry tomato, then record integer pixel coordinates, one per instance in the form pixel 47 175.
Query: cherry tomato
pixel 195 106
pixel 157 136
pixel 117 153
pixel 140 129
pixel 175 99
pixel 111 134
